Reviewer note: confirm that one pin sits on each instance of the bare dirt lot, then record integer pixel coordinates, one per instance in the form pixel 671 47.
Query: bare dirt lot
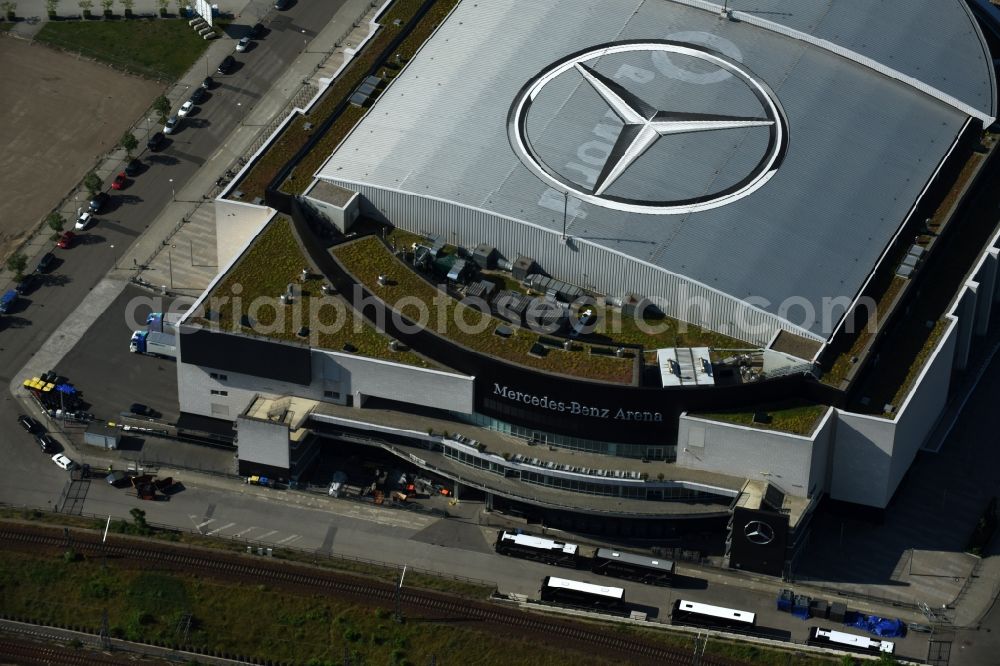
pixel 58 116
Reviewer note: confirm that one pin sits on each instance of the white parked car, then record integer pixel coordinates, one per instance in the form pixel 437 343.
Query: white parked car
pixel 172 123
pixel 243 45
pixel 63 461
pixel 83 221
pixel 185 109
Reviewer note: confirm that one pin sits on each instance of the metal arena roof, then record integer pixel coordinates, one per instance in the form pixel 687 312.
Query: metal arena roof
pixel 873 94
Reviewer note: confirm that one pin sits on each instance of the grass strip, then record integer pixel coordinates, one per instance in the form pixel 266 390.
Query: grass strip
pixel 170 608
pixel 797 419
pixel 274 261
pixel 367 258
pixel 154 48
pixel 919 361
pixel 295 135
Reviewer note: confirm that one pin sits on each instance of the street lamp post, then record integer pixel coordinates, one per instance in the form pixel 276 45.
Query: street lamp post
pixel 173 192
pixel 114 256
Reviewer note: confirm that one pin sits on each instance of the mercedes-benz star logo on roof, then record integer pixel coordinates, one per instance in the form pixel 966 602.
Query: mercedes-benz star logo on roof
pixel 644 125
pixel 759 532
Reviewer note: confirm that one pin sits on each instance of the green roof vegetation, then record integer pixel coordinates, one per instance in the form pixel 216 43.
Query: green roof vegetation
pixel 919 361
pixel 794 418
pixel 842 365
pixel 156 48
pixel 613 328
pixel 295 136
pixel 274 261
pixel 367 258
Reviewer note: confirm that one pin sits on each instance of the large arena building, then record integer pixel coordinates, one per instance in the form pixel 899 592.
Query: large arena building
pixel 763 173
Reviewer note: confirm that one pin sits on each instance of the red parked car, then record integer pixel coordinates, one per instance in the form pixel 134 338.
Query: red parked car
pixel 119 181
pixel 67 240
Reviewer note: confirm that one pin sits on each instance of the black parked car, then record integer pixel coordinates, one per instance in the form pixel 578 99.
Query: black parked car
pixel 132 168
pixel 98 202
pixel 47 443
pixel 155 142
pixel 198 95
pixel 143 410
pixel 45 263
pixel 207 83
pixel 29 424
pixel 27 284
pixel 282 5
pixel 257 31
pixel 227 64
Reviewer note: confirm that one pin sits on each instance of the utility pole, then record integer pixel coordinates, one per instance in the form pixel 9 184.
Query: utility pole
pixel 399 594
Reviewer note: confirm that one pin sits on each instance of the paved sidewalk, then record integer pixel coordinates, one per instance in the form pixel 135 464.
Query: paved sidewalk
pixel 183 258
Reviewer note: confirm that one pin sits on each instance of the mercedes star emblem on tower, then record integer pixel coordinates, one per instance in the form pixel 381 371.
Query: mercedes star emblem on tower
pixel 644 124
pixel 759 532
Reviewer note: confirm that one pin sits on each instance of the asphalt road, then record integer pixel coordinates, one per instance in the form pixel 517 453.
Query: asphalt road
pixel 27 476
pixel 110 376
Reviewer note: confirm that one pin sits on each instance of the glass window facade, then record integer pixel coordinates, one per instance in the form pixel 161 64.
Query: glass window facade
pixel 651 451
pixel 646 491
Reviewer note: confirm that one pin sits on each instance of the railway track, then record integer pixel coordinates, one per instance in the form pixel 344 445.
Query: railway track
pixel 24 652
pixel 231 564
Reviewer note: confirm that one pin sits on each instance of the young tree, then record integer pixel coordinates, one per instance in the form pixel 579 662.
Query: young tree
pixel 128 140
pixel 127 5
pixel 56 222
pixel 51 6
pixel 163 6
pixel 16 263
pixel 107 4
pixel 9 8
pixel 162 106
pixel 93 183
pixel 181 4
pixel 86 6
pixel 139 518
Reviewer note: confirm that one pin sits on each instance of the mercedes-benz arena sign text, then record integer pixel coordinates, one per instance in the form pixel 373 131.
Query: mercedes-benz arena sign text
pixel 644 125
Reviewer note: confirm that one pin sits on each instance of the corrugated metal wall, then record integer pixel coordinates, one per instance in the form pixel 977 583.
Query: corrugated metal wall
pixel 577 262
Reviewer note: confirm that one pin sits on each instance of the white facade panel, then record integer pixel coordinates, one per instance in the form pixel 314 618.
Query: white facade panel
pixel 236 224
pixel 409 384
pixel 861 459
pixel 335 376
pixel 262 442
pixel 764 455
pixel 921 410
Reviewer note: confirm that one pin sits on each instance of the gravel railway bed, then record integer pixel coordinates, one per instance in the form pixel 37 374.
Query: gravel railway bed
pixel 224 564
pixel 29 653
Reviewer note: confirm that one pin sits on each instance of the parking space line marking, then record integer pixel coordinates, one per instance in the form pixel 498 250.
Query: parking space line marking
pixel 287 539
pixel 201 525
pixel 239 534
pixel 261 537
pixel 219 529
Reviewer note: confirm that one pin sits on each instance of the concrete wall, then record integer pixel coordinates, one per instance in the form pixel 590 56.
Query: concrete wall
pixel 790 461
pixel 341 217
pixel 262 442
pixel 872 453
pixel 236 223
pixel 861 458
pixel 354 375
pixel 336 376
pixel 922 408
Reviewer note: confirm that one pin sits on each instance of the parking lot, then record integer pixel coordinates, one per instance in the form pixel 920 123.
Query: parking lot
pixel 112 378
